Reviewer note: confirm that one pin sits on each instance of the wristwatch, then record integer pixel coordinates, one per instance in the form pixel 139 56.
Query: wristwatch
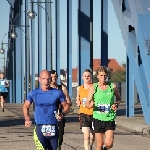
pixel 116 105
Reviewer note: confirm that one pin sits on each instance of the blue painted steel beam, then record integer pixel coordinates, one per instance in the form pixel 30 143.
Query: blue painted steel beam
pixel 39 39
pixel 18 63
pixel 10 67
pixel 33 52
pixel 144 42
pixel 57 11
pixel 129 90
pixel 144 82
pixel 13 70
pixel 84 38
pixel 91 35
pixel 48 36
pixel 22 55
pixel 138 81
pixel 10 98
pixel 104 33
pixel 69 46
pixel 27 51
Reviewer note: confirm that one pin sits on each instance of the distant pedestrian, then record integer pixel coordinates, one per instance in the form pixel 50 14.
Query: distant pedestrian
pixel 4 84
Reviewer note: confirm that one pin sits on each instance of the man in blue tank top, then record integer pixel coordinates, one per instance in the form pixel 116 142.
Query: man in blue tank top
pixel 46 100
pixel 4 84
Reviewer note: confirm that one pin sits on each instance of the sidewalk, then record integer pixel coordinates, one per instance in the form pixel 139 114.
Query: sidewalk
pixel 136 123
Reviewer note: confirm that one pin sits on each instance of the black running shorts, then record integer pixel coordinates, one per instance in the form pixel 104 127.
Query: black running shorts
pixel 103 126
pixel 61 125
pixel 4 94
pixel 86 120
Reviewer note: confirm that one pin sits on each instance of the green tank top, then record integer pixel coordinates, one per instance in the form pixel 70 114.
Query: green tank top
pixel 103 99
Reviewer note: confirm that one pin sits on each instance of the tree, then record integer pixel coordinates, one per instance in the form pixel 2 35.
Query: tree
pixel 95 78
pixel 118 76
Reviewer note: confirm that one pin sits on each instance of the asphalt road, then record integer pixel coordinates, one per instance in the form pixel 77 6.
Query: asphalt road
pixel 15 136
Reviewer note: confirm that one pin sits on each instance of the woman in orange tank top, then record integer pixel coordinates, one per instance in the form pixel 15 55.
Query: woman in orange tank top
pixel 85 113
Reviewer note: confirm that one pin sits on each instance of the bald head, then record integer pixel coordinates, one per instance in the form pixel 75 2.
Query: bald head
pixel 45 78
pixel 44 72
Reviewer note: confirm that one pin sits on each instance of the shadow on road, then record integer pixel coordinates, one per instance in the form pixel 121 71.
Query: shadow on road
pixel 13 122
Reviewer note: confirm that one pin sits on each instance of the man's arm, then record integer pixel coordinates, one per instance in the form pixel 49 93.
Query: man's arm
pixel 64 89
pixel 66 107
pixel 7 83
pixel 26 107
pixel 89 101
pixel 78 97
pixel 118 98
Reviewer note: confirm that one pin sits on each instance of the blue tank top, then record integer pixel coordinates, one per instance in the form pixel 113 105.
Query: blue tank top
pixel 2 85
pixel 46 102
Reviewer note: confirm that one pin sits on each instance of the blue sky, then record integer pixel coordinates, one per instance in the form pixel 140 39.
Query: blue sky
pixel 116 45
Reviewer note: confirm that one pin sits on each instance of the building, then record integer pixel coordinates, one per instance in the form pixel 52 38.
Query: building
pixel 112 64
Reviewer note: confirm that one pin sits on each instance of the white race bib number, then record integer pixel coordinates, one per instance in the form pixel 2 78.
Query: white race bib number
pixel 84 101
pixel 103 108
pixel 48 130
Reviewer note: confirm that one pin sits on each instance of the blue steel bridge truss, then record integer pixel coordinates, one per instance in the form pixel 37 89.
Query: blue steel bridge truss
pixel 27 50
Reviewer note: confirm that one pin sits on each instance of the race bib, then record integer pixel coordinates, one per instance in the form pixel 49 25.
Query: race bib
pixel 104 108
pixel 84 101
pixel 2 82
pixel 48 130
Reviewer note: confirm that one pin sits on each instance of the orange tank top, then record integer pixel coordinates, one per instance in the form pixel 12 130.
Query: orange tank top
pixel 83 97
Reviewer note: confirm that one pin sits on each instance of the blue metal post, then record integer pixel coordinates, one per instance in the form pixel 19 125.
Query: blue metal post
pixel 104 32
pixel 18 63
pixel 10 69
pixel 57 9
pixel 22 55
pixel 129 90
pixel 69 46
pixel 39 39
pixel 27 51
pixel 10 92
pixel 91 35
pixel 14 83
pixel 48 36
pixel 33 52
pixel 18 59
pixel 84 38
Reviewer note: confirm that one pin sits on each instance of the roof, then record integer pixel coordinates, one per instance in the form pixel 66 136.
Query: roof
pixel 112 64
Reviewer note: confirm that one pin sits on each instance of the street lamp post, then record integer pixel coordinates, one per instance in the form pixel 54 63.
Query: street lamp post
pixel 31 15
pixel 14 34
pixel 2 50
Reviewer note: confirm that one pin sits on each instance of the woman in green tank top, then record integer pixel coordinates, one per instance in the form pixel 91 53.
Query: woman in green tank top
pixel 104 113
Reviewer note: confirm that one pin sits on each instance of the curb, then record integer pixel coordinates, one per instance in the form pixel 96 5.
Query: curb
pixel 145 129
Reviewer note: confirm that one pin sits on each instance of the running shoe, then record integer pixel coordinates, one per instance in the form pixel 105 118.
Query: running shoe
pixel 104 148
